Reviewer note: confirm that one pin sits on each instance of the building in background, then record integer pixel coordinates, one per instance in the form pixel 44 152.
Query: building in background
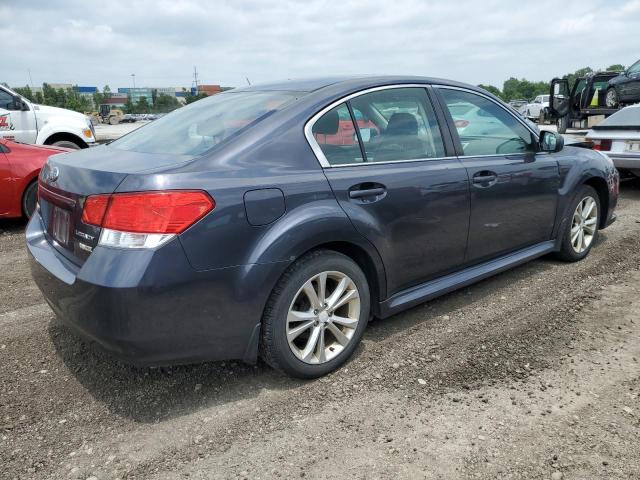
pixel 208 89
pixel 86 92
pixel 118 100
pixel 137 93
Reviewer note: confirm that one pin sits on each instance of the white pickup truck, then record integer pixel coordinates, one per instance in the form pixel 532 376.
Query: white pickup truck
pixel 26 122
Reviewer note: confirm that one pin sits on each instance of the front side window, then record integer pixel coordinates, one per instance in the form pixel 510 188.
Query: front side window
pixel 204 124
pixel 485 128
pixel 6 100
pixel 635 68
pixel 398 124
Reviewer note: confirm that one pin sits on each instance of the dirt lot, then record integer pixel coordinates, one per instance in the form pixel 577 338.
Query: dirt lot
pixel 533 374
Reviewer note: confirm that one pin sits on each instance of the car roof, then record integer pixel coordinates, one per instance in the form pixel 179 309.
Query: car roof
pixel 349 82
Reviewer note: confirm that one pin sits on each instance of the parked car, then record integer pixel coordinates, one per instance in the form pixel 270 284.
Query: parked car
pixel 619 137
pixel 538 108
pixel 20 165
pixel 519 106
pixel 230 229
pixel 128 118
pixel 625 88
pixel 27 122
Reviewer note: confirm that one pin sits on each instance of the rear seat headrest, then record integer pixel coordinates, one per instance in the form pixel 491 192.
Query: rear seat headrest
pixel 327 124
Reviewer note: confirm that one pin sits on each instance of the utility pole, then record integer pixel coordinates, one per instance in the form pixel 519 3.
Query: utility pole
pixel 30 79
pixel 195 78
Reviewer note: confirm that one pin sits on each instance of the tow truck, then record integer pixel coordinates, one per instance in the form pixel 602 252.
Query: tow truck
pixel 570 106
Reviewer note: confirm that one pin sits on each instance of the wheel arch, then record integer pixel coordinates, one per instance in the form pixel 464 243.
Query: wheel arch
pixel 58 136
pixel 602 189
pixel 374 273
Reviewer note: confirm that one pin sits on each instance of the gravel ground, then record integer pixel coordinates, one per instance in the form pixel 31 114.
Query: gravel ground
pixel 532 374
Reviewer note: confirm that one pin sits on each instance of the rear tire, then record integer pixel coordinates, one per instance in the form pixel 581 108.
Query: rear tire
pixel 309 337
pixel 581 225
pixel 611 98
pixel 542 119
pixel 30 199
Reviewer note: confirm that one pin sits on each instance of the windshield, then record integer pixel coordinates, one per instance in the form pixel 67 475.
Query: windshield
pixel 198 127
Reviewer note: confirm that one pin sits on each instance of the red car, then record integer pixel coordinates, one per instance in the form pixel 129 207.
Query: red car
pixel 20 165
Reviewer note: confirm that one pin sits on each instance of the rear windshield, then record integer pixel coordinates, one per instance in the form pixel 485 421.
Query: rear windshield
pixel 627 117
pixel 202 125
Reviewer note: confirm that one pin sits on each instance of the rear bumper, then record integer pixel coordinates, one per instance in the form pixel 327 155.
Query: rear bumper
pixel 150 307
pixel 625 161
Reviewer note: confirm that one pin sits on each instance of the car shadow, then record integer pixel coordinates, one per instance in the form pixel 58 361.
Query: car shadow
pixel 150 395
pixel 12 225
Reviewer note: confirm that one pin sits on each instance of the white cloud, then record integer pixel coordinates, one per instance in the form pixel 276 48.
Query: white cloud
pixel 160 41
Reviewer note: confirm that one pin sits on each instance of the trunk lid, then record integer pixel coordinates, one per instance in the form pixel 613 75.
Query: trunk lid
pixel 67 180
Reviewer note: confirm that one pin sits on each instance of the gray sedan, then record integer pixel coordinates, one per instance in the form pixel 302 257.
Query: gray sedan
pixel 619 137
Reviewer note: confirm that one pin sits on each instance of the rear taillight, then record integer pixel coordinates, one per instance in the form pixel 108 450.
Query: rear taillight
pixel 461 123
pixel 602 145
pixel 145 219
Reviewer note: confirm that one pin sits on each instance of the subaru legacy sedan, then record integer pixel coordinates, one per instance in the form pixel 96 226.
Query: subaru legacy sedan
pixel 274 221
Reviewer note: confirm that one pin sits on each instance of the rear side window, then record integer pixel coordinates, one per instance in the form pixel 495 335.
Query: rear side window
pixel 484 127
pixel 335 134
pixel 204 124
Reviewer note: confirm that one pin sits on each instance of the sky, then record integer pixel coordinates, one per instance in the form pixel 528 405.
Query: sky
pixel 92 43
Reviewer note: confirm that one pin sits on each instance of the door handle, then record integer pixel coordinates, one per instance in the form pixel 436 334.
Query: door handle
pixel 369 192
pixel 485 177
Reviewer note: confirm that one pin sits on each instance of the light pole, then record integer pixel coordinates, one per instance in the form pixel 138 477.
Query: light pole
pixel 133 78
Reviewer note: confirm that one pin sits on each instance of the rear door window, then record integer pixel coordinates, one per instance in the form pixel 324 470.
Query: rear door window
pixel 398 124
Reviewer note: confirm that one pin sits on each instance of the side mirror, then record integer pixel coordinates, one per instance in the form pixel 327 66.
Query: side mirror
pixel 551 141
pixel 19 104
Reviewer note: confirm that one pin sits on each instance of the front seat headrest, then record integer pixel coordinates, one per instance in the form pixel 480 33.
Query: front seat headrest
pixel 402 124
pixel 327 124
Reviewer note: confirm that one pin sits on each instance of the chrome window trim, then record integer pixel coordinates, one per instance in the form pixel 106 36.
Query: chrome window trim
pixel 528 127
pixel 324 163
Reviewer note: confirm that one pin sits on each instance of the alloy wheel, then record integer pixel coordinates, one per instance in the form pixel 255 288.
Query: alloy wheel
pixel 611 99
pixel 584 224
pixel 323 317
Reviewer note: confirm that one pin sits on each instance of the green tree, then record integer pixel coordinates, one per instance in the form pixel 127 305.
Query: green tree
pixel 25 92
pixel 514 89
pixel 165 103
pixel 142 106
pixel 38 98
pixel 617 67
pixel 491 89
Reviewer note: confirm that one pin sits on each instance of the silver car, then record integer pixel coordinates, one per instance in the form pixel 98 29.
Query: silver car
pixel 619 137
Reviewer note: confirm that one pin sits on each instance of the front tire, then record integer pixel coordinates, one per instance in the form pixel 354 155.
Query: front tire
pixel 316 315
pixel 581 225
pixel 562 124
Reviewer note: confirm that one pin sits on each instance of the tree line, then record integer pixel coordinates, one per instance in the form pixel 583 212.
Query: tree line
pixel 523 89
pixel 71 99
